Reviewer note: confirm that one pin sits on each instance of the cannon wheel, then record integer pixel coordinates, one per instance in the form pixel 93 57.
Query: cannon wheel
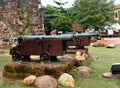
pixel 45 56
pixel 16 56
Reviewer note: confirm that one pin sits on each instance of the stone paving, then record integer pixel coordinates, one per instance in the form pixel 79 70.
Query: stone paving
pixel 115 40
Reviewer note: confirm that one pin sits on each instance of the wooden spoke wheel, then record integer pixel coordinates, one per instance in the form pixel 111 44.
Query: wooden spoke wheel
pixel 16 56
pixel 45 56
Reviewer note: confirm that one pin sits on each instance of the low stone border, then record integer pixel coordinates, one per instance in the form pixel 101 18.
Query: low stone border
pixel 23 69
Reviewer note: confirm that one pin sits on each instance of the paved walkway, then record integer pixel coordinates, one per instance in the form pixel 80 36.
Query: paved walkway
pixel 110 40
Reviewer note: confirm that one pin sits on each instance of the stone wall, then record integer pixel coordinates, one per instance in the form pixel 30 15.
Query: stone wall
pixel 20 17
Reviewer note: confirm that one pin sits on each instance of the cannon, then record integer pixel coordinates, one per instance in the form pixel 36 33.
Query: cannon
pixel 48 46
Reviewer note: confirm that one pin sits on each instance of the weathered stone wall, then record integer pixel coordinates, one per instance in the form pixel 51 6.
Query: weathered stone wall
pixel 20 16
pixel 8 16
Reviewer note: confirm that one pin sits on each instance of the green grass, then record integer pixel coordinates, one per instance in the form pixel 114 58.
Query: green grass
pixel 4 60
pixel 106 58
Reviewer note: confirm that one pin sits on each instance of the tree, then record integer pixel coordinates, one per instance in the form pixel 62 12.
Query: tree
pixel 93 13
pixel 60 6
pixel 56 19
pixel 62 23
pixel 49 14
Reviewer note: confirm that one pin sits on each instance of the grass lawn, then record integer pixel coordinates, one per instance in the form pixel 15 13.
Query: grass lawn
pixel 106 58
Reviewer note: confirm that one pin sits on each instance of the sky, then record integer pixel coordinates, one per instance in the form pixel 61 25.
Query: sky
pixel 69 4
pixel 117 1
pixel 50 2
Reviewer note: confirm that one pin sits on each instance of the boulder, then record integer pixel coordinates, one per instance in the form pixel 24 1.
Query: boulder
pixel 110 75
pixel 29 80
pixel 107 75
pixel 84 67
pixel 11 67
pixel 82 51
pixel 45 81
pixel 66 80
pixel 85 55
pixel 98 44
pixel 95 58
pixel 78 53
pixel 84 71
pixel 81 58
pixel 110 46
pixel 81 55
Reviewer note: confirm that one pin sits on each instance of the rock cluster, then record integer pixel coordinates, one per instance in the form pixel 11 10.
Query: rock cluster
pixel 41 75
pixel 47 81
pixel 65 79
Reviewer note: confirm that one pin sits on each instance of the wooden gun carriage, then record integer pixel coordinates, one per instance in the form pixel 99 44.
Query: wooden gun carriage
pixel 47 46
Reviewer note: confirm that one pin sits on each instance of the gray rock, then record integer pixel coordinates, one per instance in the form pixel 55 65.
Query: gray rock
pixel 29 80
pixel 66 80
pixel 110 46
pixel 98 44
pixel 45 81
pixel 84 71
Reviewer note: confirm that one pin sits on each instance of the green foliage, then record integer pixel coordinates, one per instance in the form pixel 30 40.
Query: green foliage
pixel 62 23
pixel 93 13
pixel 49 14
pixel 54 18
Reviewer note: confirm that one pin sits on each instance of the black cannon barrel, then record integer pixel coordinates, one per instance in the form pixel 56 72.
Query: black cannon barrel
pixel 29 37
pixel 66 37
pixel 41 37
pixel 85 34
